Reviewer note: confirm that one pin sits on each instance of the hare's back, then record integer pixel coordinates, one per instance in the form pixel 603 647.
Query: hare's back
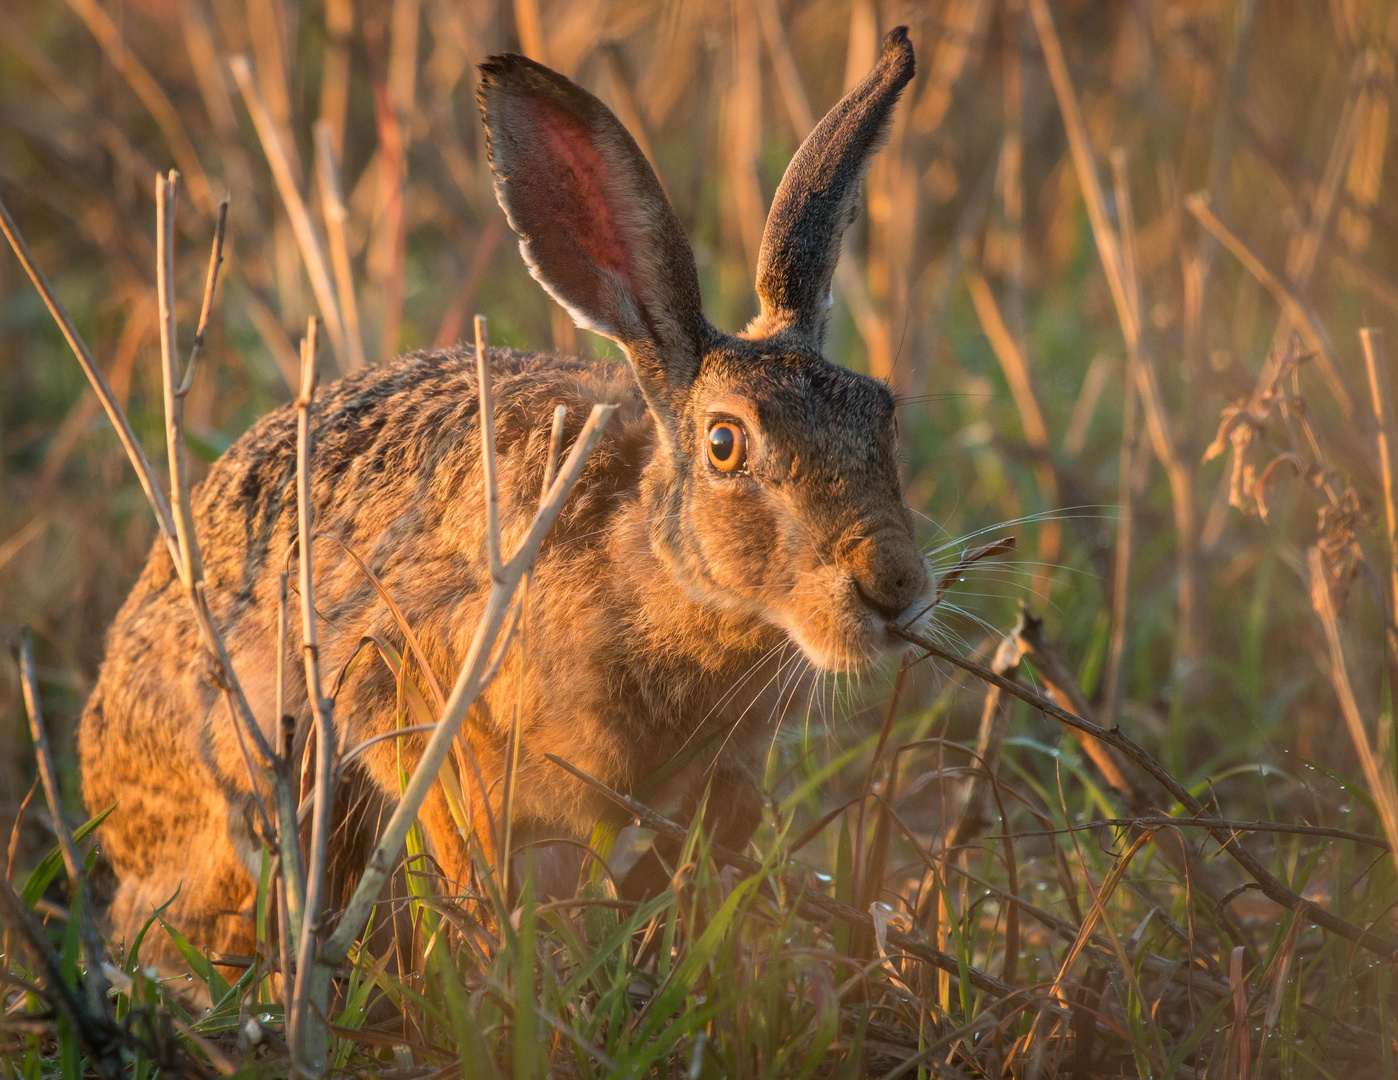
pixel 396 477
pixel 396 460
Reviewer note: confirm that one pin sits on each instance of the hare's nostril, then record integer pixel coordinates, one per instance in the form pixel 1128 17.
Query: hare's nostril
pixel 888 611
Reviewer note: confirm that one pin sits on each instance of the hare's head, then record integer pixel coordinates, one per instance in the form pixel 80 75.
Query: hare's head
pixel 774 485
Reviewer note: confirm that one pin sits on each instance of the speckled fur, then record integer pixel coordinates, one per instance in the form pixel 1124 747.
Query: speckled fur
pixel 670 603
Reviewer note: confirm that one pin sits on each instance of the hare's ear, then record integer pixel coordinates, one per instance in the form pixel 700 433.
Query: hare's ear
pixel 818 196
pixel 594 226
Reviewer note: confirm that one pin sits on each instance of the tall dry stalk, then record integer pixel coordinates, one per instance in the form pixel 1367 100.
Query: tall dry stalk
pixel 1377 775
pixel 280 162
pixel 1189 643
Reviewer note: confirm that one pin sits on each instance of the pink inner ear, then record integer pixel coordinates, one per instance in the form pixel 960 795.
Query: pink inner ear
pixel 585 192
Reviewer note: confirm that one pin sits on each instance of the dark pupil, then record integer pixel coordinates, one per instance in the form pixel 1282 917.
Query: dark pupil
pixel 721 443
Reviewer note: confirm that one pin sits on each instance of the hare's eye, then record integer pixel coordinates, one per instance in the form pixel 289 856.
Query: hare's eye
pixel 728 449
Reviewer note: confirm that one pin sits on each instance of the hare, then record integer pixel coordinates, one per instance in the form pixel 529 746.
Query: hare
pixel 739 529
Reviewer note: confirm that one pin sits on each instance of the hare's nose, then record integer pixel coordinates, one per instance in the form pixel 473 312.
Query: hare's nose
pixel 888 571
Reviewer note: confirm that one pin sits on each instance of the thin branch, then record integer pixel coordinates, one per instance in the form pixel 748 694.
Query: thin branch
pixel 190 566
pixel 196 350
pixel 94 980
pixel 279 700
pixel 1270 886
pixel 308 1037
pixel 560 413
pixel 810 904
pixel 488 478
pixel 1306 321
pixel 149 484
pixel 1376 774
pixel 1029 633
pixel 1147 821
pixel 470 683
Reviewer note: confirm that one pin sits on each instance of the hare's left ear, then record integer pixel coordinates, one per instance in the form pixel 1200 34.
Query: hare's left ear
pixel 817 199
pixel 594 226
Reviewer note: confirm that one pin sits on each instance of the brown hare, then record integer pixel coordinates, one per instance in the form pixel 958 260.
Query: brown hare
pixel 739 529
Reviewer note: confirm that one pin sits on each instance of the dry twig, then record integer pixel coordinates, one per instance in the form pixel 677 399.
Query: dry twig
pixel 1273 889
pixel 307 1011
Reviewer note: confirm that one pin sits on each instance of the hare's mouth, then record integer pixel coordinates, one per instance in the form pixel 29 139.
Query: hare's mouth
pixel 845 634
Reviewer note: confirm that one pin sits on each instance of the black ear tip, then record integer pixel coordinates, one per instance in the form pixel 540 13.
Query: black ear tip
pixel 898 48
pixel 502 67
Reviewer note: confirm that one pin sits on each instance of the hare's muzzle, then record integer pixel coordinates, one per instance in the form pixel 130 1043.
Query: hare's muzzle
pixel 888 570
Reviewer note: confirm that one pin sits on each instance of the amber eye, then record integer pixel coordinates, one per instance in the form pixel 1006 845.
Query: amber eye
pixel 728 449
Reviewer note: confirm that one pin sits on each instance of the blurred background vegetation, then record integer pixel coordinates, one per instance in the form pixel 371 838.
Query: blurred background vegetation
pixel 1177 588
pixel 1279 109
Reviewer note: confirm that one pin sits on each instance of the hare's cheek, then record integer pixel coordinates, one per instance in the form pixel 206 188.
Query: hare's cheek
pixel 735 535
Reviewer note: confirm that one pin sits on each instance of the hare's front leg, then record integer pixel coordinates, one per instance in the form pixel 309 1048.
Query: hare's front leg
pixel 732 814
pixel 446 844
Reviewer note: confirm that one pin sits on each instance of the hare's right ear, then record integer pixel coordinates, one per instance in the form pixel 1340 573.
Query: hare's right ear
pixel 817 199
pixel 594 226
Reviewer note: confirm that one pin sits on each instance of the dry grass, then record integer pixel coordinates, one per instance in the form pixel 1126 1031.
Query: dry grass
pixel 1116 258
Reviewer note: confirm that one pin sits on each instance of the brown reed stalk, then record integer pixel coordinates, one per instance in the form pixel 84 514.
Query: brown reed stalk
pixel 335 72
pixel 1126 489
pixel 94 981
pixel 280 163
pixel 1008 347
pixel 1377 775
pixel 1012 362
pixel 1294 306
pixel 1109 246
pixel 1386 436
pixel 333 209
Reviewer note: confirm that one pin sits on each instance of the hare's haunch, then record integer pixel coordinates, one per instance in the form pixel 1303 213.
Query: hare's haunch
pixel 740 527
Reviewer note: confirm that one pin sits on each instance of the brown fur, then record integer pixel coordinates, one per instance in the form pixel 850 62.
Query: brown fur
pixel 671 603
